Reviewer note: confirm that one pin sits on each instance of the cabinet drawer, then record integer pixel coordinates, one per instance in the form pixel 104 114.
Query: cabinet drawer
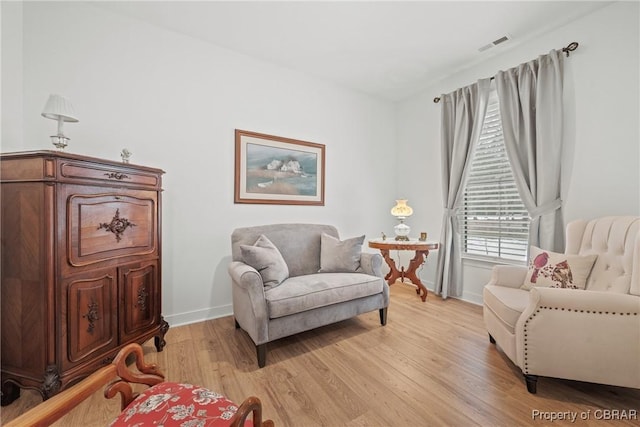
pixel 70 170
pixel 104 226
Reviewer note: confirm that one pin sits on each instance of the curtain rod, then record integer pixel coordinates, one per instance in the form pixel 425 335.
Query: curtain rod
pixel 568 49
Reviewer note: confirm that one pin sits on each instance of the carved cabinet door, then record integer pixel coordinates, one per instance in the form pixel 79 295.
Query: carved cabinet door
pixel 90 302
pixel 139 295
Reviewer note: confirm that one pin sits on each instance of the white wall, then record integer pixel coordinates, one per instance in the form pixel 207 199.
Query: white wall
pixel 601 174
pixel 175 101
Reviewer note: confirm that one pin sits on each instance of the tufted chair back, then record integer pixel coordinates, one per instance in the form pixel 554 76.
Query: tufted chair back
pixel 616 241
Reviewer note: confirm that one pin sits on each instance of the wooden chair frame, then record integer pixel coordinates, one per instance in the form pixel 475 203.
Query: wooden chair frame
pixel 118 379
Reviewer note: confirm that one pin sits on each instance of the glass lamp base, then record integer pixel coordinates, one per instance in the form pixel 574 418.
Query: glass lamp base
pixel 402 231
pixel 59 141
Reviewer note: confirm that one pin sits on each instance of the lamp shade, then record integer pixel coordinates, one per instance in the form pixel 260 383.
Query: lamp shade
pixel 401 209
pixel 59 108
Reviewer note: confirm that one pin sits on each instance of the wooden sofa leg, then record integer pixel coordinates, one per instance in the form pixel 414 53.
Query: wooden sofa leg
pixel 383 316
pixel 261 349
pixel 532 382
pixel 492 340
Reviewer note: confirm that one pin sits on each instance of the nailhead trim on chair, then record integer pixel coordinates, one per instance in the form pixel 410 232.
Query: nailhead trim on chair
pixel 526 323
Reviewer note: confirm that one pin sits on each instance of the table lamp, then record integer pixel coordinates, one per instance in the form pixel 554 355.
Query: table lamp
pixel 401 211
pixel 59 108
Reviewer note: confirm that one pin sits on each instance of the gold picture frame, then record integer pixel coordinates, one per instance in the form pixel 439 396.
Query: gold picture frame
pixel 275 170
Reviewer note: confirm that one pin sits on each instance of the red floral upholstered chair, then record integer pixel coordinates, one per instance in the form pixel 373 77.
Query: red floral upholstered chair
pixel 164 403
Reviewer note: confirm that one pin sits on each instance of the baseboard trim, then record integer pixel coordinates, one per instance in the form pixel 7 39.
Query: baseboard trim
pixel 470 297
pixel 196 316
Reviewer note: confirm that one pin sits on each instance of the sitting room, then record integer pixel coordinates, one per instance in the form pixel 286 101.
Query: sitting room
pixel 320 213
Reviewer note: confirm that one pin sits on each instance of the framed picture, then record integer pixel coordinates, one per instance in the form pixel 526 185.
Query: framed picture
pixel 275 170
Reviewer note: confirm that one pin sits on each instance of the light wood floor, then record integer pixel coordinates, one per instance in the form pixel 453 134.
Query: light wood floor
pixel 431 365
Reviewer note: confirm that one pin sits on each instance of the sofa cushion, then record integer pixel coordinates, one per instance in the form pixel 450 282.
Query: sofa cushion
pixel 302 293
pixel 551 269
pixel 173 404
pixel 506 303
pixel 266 258
pixel 340 255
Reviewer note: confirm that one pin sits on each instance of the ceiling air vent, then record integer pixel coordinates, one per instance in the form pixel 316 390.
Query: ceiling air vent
pixel 495 43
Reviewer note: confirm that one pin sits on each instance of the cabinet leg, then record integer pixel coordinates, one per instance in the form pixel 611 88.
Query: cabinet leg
pixel 159 339
pixel 51 383
pixel 10 392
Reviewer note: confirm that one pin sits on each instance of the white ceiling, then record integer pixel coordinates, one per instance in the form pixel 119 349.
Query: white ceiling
pixel 389 49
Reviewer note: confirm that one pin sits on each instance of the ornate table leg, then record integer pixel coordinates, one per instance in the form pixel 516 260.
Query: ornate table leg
pixel 416 262
pixel 393 273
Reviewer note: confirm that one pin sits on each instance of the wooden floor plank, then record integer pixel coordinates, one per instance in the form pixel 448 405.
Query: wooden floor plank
pixel 431 365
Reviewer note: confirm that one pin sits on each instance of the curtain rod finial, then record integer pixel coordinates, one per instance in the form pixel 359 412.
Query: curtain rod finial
pixel 436 99
pixel 570 48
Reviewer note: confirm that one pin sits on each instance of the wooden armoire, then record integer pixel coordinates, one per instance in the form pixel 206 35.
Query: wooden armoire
pixel 81 272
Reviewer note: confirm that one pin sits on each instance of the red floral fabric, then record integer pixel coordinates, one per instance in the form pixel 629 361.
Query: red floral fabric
pixel 178 405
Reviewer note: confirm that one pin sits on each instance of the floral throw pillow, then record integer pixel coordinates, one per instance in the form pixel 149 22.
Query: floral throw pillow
pixel 555 270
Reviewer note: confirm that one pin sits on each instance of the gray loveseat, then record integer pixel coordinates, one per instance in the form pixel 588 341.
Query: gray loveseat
pixel 277 299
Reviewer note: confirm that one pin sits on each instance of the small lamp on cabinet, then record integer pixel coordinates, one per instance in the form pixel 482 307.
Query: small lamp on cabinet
pixel 59 108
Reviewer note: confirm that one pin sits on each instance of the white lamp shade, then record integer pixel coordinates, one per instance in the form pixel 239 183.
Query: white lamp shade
pixel 401 209
pixel 59 108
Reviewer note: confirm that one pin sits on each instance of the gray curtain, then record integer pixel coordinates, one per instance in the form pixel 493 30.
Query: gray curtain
pixel 462 116
pixel 530 98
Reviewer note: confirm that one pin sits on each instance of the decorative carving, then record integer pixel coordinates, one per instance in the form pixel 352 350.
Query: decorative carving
pixel 51 383
pixel 117 175
pixel 117 225
pixel 91 316
pixel 142 298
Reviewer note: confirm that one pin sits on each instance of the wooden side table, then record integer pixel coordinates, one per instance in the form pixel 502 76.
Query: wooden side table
pixel 421 248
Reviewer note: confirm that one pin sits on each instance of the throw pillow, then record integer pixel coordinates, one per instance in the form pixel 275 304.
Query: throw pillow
pixel 267 259
pixel 337 256
pixel 555 270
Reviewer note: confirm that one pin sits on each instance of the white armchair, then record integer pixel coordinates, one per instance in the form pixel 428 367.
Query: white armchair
pixel 588 335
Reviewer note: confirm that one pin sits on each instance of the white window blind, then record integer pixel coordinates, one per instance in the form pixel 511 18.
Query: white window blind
pixel 494 222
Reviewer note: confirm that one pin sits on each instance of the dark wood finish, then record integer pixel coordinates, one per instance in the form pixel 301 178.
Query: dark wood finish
pixel 117 378
pixel 81 251
pixel 383 316
pixel 532 383
pixel 261 351
pixel 421 252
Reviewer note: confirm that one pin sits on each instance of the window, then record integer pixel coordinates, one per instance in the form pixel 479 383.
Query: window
pixel 494 222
